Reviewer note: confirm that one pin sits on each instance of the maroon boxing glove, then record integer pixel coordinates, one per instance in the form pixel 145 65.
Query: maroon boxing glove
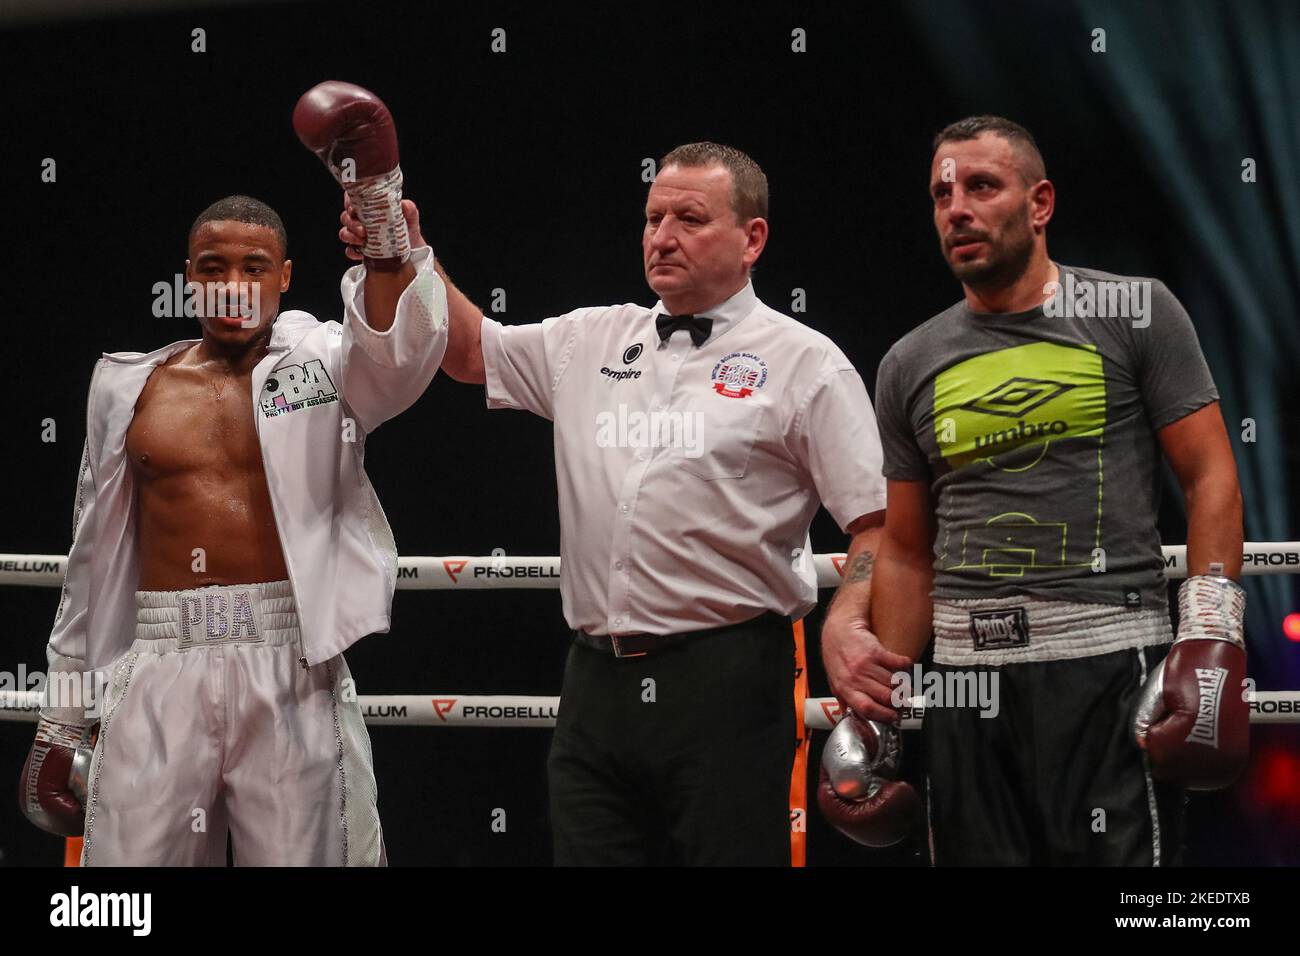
pixel 45 790
pixel 1193 718
pixel 352 132
pixel 858 793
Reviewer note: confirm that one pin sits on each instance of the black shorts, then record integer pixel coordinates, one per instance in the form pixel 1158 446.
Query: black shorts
pixel 1056 777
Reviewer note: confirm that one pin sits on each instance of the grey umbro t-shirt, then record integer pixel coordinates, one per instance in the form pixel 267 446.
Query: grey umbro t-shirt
pixel 1037 434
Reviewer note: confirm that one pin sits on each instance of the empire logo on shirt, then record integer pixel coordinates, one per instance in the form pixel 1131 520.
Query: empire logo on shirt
pixel 620 374
pixel 291 387
pixel 630 355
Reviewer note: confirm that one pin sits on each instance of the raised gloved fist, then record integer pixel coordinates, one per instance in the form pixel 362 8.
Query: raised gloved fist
pixel 352 131
pixel 1192 716
pixel 859 794
pixel 52 788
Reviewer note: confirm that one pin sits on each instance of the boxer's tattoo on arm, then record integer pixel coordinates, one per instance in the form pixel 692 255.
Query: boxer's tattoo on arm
pixel 861 568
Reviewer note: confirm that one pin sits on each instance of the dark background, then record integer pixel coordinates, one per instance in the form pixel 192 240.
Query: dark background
pixel 527 168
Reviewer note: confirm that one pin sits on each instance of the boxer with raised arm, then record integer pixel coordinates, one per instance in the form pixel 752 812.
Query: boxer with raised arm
pixel 228 545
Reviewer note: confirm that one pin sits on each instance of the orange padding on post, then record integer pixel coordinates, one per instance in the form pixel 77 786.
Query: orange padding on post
pixel 72 851
pixel 799 775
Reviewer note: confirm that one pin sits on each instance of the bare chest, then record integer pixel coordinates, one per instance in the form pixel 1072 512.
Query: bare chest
pixel 188 422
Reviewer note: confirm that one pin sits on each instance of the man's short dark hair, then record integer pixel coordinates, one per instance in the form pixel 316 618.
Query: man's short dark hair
pixel 748 181
pixel 244 209
pixel 1032 168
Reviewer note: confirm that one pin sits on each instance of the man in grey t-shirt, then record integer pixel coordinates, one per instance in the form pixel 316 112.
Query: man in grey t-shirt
pixel 1022 430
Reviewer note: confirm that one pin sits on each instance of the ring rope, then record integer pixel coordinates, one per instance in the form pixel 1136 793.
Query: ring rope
pixel 456 572
pixel 467 572
pixel 506 710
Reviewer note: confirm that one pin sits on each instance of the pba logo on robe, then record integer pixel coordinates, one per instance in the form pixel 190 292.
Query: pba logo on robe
pixel 291 387
pixel 738 375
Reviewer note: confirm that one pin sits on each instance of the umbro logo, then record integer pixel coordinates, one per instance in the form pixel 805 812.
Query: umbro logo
pixel 1017 396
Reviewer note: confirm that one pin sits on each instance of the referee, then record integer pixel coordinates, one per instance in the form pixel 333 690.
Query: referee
pixel 694 441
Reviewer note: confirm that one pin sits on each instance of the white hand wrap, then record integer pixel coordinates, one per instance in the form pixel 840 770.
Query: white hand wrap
pixel 1212 608
pixel 70 696
pixel 377 201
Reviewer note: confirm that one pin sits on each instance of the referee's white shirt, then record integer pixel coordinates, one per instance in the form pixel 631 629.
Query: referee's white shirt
pixel 688 476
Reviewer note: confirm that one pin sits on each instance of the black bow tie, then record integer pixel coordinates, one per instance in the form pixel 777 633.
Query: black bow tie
pixel 700 328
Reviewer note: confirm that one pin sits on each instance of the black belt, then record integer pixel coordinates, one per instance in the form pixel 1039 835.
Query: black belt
pixel 637 645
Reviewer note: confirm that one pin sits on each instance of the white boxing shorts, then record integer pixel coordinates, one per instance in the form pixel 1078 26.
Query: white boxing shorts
pixel 211 726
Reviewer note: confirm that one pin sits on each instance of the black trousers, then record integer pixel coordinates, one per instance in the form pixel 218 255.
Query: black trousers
pixel 681 756
pixel 1056 777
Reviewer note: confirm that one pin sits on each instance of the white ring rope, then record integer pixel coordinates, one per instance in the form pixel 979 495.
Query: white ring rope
pixel 500 571
pixel 461 572
pixel 453 710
